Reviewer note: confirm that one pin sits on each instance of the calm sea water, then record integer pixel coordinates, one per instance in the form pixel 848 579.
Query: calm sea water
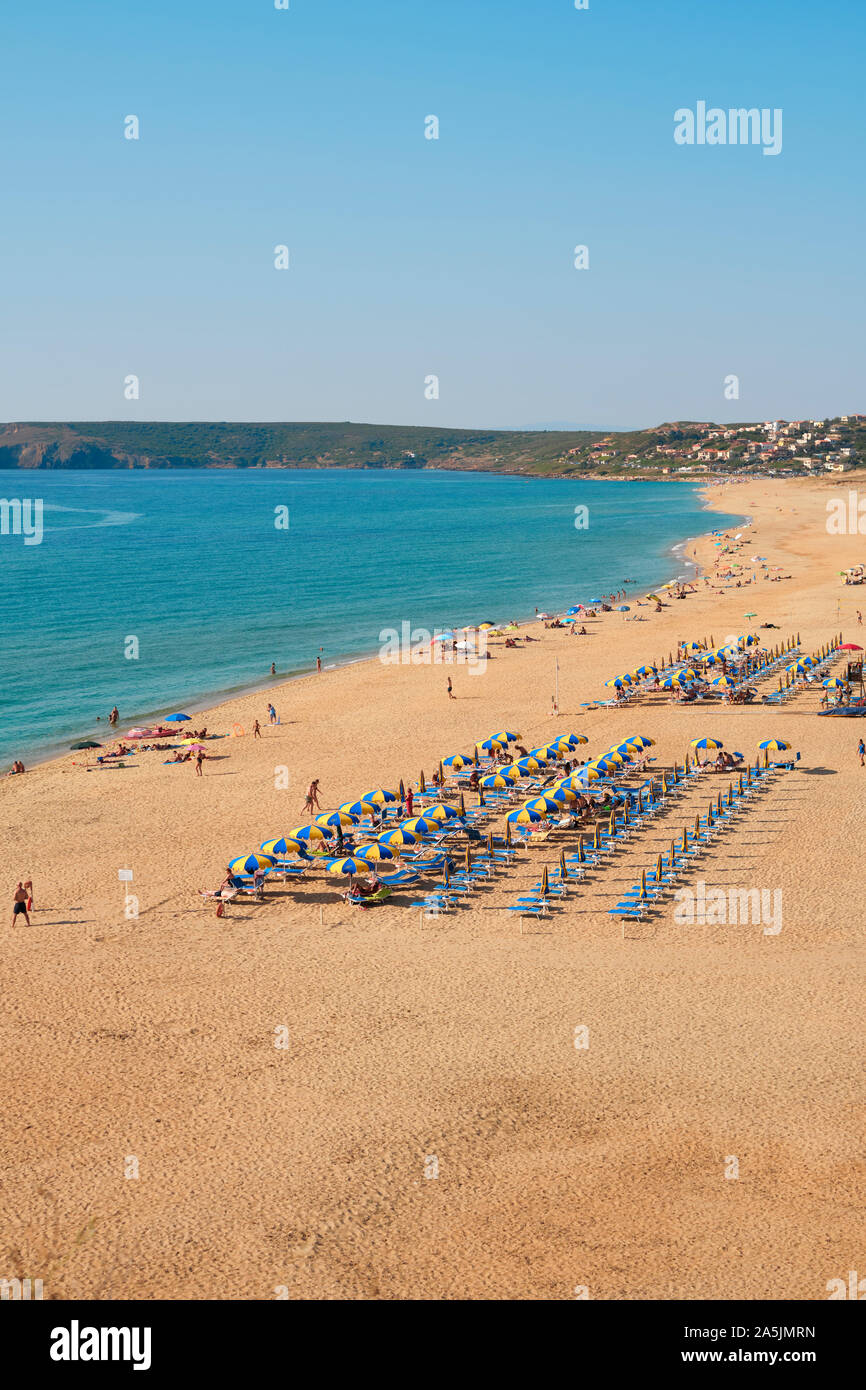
pixel 192 565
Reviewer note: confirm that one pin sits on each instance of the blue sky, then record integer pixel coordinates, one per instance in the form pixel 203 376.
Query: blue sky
pixel 413 257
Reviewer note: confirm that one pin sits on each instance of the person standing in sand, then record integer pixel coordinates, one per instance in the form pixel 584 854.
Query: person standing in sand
pixel 451 695
pixel 272 715
pixel 861 749
pixel 19 904
pixel 199 759
pixel 257 730
pixel 312 801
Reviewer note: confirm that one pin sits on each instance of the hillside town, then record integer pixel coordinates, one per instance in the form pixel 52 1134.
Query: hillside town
pixel 774 448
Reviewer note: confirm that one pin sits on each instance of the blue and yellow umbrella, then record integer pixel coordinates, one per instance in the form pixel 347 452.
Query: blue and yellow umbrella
pixel 331 819
pixel 308 832
pixel 498 781
pixel 542 804
pixel 706 743
pixel 379 796
pixel 399 837
pixel 523 817
pixel 374 851
pixel 352 866
pixel 774 745
pixel 357 808
pixel 457 761
pixel 248 863
pixel 286 844
pixel 418 825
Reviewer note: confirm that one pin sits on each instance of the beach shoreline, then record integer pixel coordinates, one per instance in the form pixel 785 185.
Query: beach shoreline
pixel 209 705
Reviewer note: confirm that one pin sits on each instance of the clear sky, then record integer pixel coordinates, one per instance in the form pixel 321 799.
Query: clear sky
pixel 412 257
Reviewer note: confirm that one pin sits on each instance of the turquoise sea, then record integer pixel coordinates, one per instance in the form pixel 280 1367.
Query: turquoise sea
pixel 193 566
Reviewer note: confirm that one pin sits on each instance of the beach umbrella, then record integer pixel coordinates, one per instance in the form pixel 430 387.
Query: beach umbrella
pixel 719 804
pixel 421 783
pixel 490 744
pixel 330 819
pixel 525 765
pixel 623 608
pixel 685 840
pixel 646 671
pixel 475 757
pixel 467 863
pixel 523 817
pixel 545 883
pixel 379 796
pixel 490 844
pixel 542 804
pixel 248 863
pixel 777 745
pixel 587 774
pixel 176 719
pixel 641 741
pixel 497 781
pixel 619 681
pixel 723 682
pixel 441 812
pixel 576 739
pixel 398 837
pixel 418 825
pixel 347 866
pixel 286 844
pixel 357 808
pixel 563 871
pixel 507 836
pixel 462 805
pixel 481 796
pixel 374 851
pixel 659 869
pixel 79 747
pixel 561 794
pixel 643 891
pixel 706 743
pixel 507 737
pixel 307 832
pixel 697 827
pixel 596 839
pixel 834 683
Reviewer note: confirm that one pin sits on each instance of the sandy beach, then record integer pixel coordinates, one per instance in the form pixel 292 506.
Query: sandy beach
pixel 305 1171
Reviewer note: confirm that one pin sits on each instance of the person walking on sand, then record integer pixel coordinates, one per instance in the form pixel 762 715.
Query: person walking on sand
pixel 28 889
pixel 312 801
pixel 451 695
pixel 199 759
pixel 859 618
pixel 410 797
pixel 861 749
pixel 257 730
pixel 272 715
pixel 19 904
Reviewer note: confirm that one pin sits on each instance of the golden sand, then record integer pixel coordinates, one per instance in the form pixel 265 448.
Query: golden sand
pixel 431 1130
